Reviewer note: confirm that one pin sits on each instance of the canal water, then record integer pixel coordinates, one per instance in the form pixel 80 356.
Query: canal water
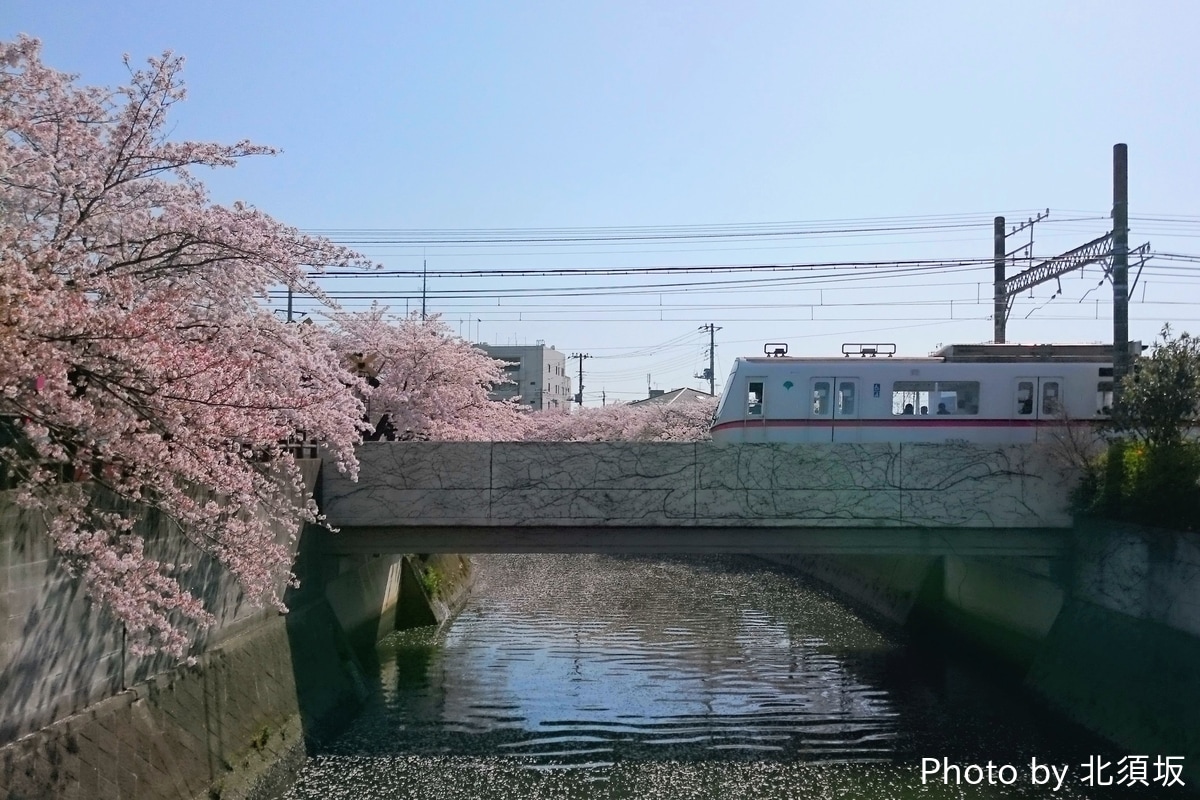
pixel 579 676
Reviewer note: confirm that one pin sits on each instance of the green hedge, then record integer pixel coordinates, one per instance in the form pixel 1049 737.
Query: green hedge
pixel 1157 486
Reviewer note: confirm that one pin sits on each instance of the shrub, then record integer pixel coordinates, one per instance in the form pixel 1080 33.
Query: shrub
pixel 1151 470
pixel 431 579
pixel 1133 481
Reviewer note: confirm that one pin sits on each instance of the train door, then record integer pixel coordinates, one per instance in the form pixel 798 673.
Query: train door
pixel 1038 402
pixel 820 416
pixel 835 410
pixel 846 410
pixel 755 408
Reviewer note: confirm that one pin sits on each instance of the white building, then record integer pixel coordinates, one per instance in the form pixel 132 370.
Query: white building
pixel 538 374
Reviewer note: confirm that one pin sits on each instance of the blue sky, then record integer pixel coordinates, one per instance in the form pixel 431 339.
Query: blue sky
pixel 514 115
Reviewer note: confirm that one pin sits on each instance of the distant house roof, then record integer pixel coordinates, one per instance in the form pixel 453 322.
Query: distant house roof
pixel 674 396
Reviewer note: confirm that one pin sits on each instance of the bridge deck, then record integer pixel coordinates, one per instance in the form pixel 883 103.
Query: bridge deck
pixel 676 497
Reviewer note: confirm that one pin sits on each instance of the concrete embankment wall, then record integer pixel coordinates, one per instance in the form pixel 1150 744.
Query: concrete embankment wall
pixel 1109 636
pixel 1123 657
pixel 83 717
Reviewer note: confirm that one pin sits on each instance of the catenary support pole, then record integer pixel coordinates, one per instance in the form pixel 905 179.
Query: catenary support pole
pixel 1000 307
pixel 1120 267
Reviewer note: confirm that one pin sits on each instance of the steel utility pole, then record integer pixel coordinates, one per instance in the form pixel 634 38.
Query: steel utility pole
pixel 710 373
pixel 1120 267
pixel 1100 250
pixel 1000 305
pixel 1111 249
pixel 579 395
pixel 999 256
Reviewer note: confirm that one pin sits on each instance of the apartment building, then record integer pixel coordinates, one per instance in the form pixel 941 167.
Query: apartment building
pixel 538 375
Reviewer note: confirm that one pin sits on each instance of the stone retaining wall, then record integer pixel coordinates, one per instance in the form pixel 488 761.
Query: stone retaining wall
pixel 1109 637
pixel 231 726
pixel 83 718
pixel 59 653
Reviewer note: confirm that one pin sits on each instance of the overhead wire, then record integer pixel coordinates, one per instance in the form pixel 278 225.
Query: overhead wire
pixel 742 279
pixel 427 236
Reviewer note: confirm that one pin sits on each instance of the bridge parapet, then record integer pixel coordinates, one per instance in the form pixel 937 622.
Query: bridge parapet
pixel 700 484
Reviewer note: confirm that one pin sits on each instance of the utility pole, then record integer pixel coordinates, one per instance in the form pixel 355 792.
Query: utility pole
pixel 710 373
pixel 1000 306
pixel 424 273
pixel 289 313
pixel 1003 295
pixel 1120 268
pixel 581 357
pixel 1111 249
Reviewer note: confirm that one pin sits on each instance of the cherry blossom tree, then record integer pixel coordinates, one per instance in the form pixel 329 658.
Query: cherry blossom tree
pixel 651 422
pixel 431 383
pixel 138 366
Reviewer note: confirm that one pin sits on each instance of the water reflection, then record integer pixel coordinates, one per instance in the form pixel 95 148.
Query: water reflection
pixel 614 661
pixel 614 677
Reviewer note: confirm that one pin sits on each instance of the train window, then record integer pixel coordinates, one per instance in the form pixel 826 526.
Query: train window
pixel 958 397
pixel 911 397
pixel 1051 401
pixel 820 399
pixel 1104 398
pixel 845 399
pixel 754 400
pixel 935 397
pixel 1025 398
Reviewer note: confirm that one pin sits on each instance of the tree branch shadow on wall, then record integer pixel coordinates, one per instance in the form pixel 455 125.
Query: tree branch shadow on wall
pixel 60 651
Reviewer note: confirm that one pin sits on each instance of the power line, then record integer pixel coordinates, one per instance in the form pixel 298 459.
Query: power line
pixel 570 272
pixel 643 232
pixel 650 349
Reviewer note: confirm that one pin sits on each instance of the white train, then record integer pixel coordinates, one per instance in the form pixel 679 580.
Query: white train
pixel 1002 393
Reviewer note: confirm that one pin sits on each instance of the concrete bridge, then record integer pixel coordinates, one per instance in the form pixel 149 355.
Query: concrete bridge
pixel 513 497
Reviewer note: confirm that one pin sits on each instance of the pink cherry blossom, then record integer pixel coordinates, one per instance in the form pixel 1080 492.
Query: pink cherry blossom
pixel 676 422
pixel 139 368
pixel 431 383
pixel 141 374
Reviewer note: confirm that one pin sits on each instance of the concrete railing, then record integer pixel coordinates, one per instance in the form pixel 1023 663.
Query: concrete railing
pixel 702 484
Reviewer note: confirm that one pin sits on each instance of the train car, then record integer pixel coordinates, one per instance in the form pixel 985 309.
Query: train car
pixel 999 393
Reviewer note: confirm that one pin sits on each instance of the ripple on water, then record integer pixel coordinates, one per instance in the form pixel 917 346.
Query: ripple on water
pixel 589 676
